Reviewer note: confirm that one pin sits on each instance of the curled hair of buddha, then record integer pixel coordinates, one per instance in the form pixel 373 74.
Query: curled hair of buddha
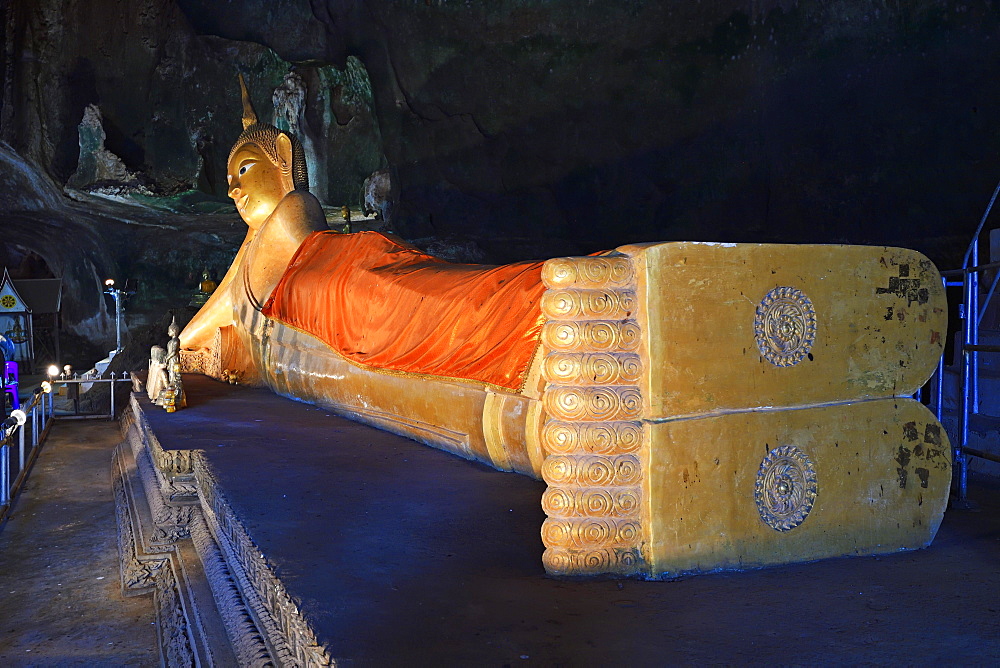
pixel 265 136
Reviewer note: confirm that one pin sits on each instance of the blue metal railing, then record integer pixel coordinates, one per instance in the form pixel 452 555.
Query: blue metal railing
pixel 36 419
pixel 971 313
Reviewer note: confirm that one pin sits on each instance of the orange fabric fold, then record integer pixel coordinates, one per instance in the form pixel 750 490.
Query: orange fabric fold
pixel 385 304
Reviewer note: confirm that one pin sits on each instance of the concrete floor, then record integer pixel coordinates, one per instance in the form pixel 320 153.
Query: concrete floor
pixel 60 596
pixel 403 555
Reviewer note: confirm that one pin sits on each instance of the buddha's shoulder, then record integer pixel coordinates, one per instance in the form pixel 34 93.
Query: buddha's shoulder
pixel 299 210
pixel 300 201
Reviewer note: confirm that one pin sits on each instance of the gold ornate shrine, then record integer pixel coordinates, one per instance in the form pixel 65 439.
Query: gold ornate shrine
pixel 690 406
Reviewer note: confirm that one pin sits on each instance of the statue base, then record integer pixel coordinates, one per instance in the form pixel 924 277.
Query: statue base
pixel 256 521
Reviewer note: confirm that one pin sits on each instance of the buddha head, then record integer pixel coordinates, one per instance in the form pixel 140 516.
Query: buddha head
pixel 265 165
pixel 158 355
pixel 173 330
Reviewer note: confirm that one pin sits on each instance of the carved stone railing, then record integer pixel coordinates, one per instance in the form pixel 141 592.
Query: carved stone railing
pixel 593 435
pixel 207 362
pixel 171 513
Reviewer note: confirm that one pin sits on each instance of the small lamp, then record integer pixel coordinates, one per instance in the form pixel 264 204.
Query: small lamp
pixel 17 418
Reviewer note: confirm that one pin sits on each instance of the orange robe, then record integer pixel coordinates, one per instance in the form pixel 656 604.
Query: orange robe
pixel 381 303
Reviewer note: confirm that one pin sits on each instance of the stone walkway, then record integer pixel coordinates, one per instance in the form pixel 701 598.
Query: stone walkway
pixel 60 597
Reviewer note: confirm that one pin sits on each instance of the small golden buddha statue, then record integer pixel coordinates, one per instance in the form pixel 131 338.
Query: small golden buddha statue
pixel 345 213
pixel 207 285
pixel 205 290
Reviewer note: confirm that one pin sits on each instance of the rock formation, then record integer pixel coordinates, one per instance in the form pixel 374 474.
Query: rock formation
pixel 97 164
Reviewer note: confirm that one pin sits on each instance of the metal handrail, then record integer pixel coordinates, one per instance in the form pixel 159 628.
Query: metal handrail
pixel 39 413
pixel 86 379
pixel 12 429
pixel 980 348
pixel 971 315
pixel 969 270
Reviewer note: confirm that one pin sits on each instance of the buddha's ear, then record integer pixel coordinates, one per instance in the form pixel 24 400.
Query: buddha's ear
pixel 284 145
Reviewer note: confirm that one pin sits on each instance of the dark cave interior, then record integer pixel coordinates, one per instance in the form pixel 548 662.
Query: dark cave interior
pixel 515 130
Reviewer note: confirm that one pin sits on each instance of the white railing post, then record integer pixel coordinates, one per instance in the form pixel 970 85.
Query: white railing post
pixel 20 447
pixel 4 472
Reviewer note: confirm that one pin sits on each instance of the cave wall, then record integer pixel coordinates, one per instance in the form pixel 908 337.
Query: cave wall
pixel 36 223
pixel 44 234
pixel 541 127
pixel 578 126
pixel 168 96
pixel 534 128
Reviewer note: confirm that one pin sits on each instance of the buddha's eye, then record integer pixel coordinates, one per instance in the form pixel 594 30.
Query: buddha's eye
pixel 244 168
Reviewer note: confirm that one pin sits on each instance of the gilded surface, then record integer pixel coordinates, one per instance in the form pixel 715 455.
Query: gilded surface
pixel 596 272
pixel 666 381
pixel 590 335
pixel 876 334
pixel 569 303
pixel 785 326
pixel 592 438
pixel 704 477
pixel 593 369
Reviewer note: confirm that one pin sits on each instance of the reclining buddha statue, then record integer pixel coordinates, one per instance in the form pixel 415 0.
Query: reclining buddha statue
pixel 690 406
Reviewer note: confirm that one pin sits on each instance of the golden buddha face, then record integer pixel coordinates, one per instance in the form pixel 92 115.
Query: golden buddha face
pixel 256 183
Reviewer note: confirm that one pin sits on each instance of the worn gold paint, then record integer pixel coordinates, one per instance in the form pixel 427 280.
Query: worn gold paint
pixel 700 301
pixel 463 417
pixel 883 482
